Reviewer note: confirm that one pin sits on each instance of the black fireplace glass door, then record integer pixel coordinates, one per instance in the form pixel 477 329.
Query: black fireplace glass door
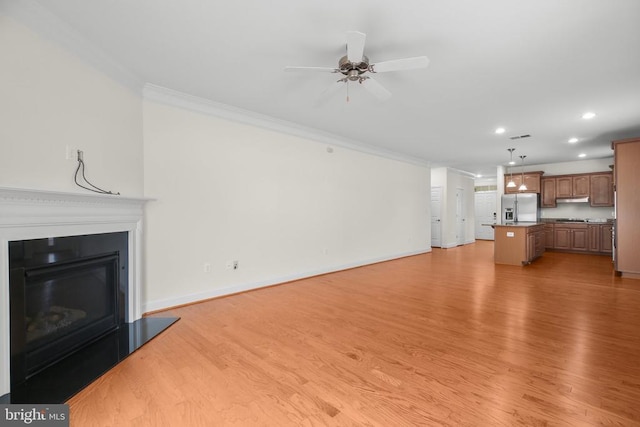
pixel 67 305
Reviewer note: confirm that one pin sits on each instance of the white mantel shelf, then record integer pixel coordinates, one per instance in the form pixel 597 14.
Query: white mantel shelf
pixel 33 214
pixel 43 196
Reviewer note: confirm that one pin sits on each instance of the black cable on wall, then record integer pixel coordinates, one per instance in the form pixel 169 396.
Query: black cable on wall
pixel 80 170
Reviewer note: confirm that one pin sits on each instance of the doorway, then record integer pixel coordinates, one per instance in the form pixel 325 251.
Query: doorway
pixel 436 217
pixel 460 217
pixel 485 210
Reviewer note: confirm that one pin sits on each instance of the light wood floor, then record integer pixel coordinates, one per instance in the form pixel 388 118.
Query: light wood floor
pixel 446 338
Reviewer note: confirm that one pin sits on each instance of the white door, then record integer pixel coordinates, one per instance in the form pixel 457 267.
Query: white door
pixel 436 216
pixel 460 217
pixel 485 210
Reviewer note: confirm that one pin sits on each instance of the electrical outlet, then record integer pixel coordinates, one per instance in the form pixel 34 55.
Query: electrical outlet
pixel 206 267
pixel 235 264
pixel 70 153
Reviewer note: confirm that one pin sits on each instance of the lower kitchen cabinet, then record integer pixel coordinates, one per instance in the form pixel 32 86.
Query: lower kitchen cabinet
pixel 537 238
pixel 587 238
pixel 535 242
pixel 518 244
pixel 548 236
pixel 571 237
pixel 606 239
pixel 595 237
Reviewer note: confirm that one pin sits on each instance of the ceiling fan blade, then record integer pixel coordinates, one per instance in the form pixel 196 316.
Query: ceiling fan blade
pixel 328 93
pixel 376 88
pixel 355 46
pixel 400 64
pixel 313 69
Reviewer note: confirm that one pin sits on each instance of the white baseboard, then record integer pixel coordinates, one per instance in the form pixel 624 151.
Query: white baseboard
pixel 163 304
pixel 454 244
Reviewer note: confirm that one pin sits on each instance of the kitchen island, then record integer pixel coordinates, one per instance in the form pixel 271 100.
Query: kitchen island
pixel 518 243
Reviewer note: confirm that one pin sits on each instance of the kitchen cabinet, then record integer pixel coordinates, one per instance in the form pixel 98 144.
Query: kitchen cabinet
pixel 531 180
pixel 598 186
pixel 564 186
pixel 548 236
pixel 601 185
pixel 581 186
pixel 519 243
pixel 535 242
pixel 594 237
pixel 548 190
pixel 568 186
pixel 627 176
pixel 571 237
pixel 606 238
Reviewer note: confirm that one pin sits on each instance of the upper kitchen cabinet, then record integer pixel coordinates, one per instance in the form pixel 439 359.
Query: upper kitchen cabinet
pixel 531 180
pixel 548 187
pixel 572 186
pixel 597 186
pixel 627 227
pixel 601 189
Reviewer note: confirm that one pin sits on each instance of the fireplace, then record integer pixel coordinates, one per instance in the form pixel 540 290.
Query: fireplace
pixel 73 263
pixel 65 293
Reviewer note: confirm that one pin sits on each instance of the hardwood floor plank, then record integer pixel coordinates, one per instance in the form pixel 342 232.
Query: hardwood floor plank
pixel 446 338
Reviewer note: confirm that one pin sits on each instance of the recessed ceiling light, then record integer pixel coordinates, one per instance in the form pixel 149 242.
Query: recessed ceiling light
pixel 588 115
pixel 500 131
pixel 512 162
pixel 581 155
pixel 479 176
pixel 573 140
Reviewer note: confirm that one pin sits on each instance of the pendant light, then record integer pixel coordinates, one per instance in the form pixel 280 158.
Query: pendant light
pixel 511 184
pixel 523 187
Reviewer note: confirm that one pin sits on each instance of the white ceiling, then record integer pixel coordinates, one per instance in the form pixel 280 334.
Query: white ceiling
pixel 532 67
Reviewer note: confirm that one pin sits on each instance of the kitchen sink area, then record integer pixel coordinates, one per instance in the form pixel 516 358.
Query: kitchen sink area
pixel 579 235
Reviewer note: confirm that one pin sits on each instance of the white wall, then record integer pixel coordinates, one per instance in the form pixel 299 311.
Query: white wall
pixel 282 205
pixel 564 168
pixel 51 99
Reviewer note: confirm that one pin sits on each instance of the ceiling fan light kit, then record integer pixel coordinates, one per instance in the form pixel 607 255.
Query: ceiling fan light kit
pixel 355 65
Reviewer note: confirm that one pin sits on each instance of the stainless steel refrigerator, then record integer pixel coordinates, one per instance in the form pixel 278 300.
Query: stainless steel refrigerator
pixel 523 207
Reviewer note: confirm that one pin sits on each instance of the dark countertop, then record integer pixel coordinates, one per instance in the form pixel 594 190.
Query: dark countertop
pixel 576 220
pixel 521 224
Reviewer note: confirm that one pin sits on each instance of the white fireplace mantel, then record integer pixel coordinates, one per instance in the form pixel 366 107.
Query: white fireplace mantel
pixel 33 214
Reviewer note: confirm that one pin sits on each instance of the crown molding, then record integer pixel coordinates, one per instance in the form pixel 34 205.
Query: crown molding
pixel 37 18
pixel 185 101
pixel 461 172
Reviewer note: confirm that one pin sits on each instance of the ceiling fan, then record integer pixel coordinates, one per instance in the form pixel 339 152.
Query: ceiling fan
pixel 355 66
